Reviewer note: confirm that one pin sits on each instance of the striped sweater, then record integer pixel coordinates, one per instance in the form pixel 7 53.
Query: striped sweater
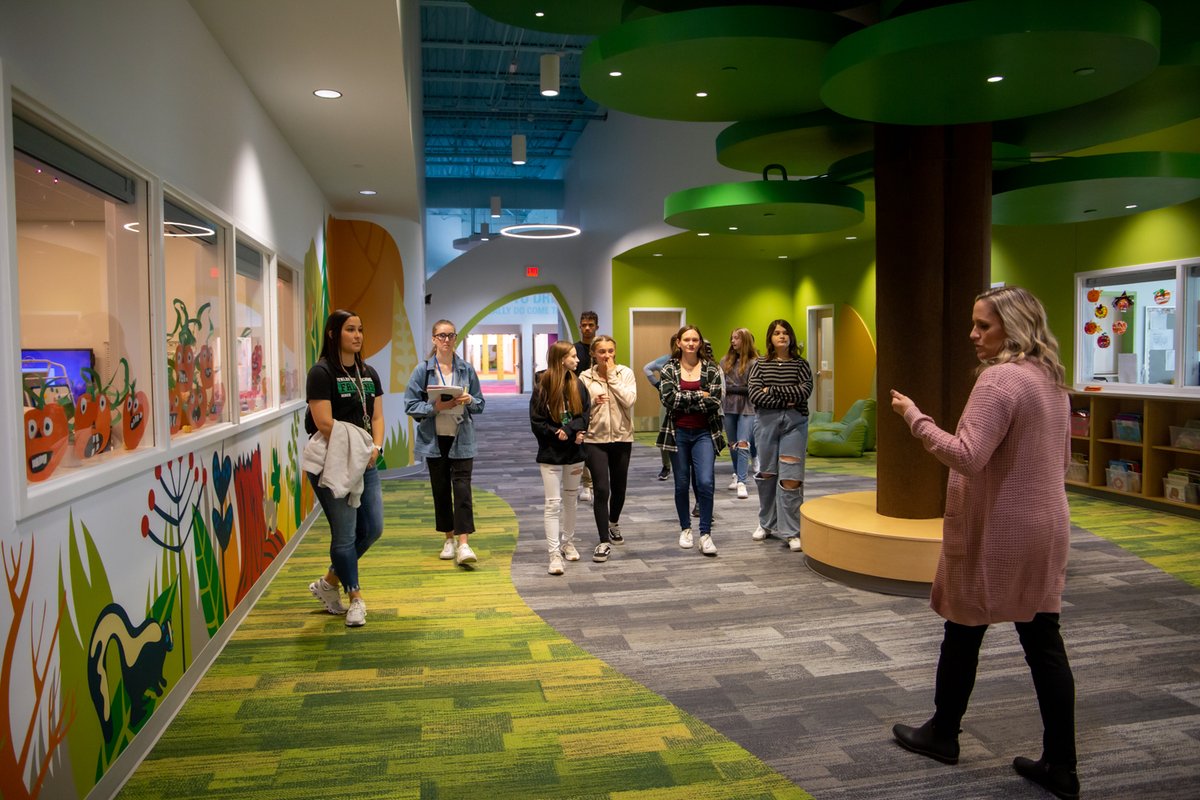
pixel 790 383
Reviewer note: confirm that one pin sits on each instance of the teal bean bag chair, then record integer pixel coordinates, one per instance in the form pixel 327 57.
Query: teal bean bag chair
pixel 848 442
pixel 862 409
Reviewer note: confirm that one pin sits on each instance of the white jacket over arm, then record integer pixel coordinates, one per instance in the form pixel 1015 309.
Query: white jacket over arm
pixel 340 460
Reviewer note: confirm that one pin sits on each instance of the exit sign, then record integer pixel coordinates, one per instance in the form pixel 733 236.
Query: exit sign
pixel 531 271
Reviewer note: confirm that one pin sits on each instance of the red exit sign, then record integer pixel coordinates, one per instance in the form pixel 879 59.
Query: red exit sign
pixel 531 271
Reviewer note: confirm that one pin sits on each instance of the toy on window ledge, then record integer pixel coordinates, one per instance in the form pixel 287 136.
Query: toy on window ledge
pixel 1123 302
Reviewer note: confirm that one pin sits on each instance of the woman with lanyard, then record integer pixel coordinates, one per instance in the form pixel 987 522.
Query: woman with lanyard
pixel 780 384
pixel 558 416
pixel 446 436
pixel 341 388
pixel 691 390
pixel 609 440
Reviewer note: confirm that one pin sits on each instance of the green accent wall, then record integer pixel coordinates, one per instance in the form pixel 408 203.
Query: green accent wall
pixel 836 277
pixel 719 295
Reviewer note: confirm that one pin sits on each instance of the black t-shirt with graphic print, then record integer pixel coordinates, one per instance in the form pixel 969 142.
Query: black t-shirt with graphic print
pixel 324 383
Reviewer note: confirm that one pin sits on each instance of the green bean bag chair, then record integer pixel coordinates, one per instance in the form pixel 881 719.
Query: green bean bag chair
pixel 864 409
pixel 845 443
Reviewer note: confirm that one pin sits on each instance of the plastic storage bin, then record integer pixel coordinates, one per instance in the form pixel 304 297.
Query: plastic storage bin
pixel 1124 481
pixel 1080 425
pixel 1127 430
pixel 1078 473
pixel 1185 438
pixel 1180 491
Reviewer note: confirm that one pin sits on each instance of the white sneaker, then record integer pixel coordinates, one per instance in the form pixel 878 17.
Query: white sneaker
pixel 685 538
pixel 330 596
pixel 794 544
pixel 706 545
pixel 759 534
pixel 569 552
pixel 585 494
pixel 741 489
pixel 447 550
pixel 356 617
pixel 733 484
pixel 465 555
pixel 556 564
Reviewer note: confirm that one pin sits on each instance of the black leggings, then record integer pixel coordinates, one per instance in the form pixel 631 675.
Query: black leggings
pixel 1048 664
pixel 609 465
pixel 450 478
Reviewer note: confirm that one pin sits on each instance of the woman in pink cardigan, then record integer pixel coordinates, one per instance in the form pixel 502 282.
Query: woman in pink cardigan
pixel 1006 531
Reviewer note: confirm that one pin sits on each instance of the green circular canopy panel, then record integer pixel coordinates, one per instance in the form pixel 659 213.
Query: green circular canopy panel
pixel 574 17
pixel 750 62
pixel 1093 187
pixel 687 5
pixel 764 208
pixel 804 144
pixel 861 166
pixel 932 67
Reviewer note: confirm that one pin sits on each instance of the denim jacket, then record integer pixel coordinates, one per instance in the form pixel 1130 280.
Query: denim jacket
pixel 417 406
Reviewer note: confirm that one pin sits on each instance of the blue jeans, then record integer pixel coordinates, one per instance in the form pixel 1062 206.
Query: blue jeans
pixel 740 428
pixel 695 453
pixel 352 530
pixel 780 432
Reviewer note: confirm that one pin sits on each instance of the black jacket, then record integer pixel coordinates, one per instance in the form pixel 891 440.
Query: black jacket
pixel 551 449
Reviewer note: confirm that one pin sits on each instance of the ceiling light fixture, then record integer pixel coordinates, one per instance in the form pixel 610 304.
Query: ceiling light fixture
pixel 540 230
pixel 703 233
pixel 495 206
pixel 485 232
pixel 701 94
pixel 368 192
pixel 851 238
pixel 995 79
pixel 783 256
pixel 616 73
pixel 518 148
pixel 733 227
pixel 328 94
pixel 1132 205
pixel 657 255
pixel 549 74
pixel 539 13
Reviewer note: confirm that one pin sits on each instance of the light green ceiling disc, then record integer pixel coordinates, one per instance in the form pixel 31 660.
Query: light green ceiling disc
pixel 932 67
pixel 804 144
pixel 713 64
pixel 1093 187
pixel 764 208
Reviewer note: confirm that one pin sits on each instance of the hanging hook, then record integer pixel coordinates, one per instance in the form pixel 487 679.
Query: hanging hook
pixel 770 167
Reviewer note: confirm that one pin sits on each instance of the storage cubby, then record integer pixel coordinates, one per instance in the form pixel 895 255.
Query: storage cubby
pixel 1154 451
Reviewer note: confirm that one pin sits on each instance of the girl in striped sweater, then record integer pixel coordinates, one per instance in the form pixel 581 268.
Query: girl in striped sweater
pixel 780 384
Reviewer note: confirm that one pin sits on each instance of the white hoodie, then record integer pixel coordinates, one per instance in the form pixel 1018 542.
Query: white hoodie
pixel 341 460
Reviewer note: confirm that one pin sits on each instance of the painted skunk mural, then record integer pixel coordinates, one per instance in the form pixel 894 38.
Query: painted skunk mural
pixel 142 653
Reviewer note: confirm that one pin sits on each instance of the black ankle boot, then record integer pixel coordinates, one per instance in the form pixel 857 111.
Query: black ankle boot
pixel 1062 782
pixel 927 742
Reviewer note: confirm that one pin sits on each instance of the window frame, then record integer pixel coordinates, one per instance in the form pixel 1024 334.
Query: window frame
pixel 1186 357
pixel 297 329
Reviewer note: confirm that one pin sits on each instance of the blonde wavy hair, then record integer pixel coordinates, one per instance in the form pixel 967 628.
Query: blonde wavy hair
pixel 1027 335
pixel 557 384
pixel 741 356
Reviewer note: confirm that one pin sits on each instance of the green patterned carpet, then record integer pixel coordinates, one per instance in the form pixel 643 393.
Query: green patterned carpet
pixel 454 689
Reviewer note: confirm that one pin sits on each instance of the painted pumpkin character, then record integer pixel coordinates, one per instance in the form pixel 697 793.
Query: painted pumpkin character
pixel 45 440
pixel 101 439
pixel 1123 303
pixel 177 410
pixel 1093 295
pixel 85 423
pixel 1120 326
pixel 204 368
pixel 256 364
pixel 1162 297
pixel 1090 327
pixel 216 404
pixel 1103 340
pixel 1101 311
pixel 185 367
pixel 137 407
pixel 197 409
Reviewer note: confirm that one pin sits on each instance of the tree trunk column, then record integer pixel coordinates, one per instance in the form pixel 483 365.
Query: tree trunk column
pixel 933 195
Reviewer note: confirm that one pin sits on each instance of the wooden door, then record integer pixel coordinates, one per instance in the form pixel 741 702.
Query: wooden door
pixel 650 336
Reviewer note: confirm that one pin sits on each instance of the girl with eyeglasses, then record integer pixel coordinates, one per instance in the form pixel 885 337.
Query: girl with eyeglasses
pixel 443 395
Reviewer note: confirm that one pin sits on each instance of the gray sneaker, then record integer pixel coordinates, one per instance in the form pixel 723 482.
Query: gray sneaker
pixel 356 617
pixel 614 533
pixel 601 552
pixel 330 596
pixel 569 552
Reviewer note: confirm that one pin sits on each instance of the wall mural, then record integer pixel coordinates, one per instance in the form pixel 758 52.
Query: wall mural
pixel 368 277
pixel 108 600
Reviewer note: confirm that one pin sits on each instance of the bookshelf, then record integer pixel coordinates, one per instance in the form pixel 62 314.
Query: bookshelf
pixel 1154 450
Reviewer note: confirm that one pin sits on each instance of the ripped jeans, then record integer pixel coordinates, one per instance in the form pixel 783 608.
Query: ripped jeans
pixel 781 435
pixel 561 484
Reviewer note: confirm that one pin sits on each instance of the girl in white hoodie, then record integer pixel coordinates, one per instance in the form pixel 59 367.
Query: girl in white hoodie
pixel 608 442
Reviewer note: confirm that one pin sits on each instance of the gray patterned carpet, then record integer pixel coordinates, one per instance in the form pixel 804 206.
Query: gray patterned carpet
pixel 810 675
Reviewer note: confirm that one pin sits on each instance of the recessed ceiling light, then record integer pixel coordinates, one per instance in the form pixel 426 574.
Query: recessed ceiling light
pixel 616 73
pixel 851 238
pixel 1132 205
pixel 995 79
pixel 783 256
pixel 656 255
pixel 702 234
pixel 539 13
pixel 328 94
pixel 367 192
pixel 701 94
pixel 733 227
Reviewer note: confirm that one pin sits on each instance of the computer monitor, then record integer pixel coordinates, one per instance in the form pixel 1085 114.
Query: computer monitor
pixel 59 368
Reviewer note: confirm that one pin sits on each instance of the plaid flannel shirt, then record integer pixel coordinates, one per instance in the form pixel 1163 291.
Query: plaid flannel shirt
pixel 678 401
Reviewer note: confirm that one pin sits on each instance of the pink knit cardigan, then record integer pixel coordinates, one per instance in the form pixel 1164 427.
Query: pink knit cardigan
pixel 1006 531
